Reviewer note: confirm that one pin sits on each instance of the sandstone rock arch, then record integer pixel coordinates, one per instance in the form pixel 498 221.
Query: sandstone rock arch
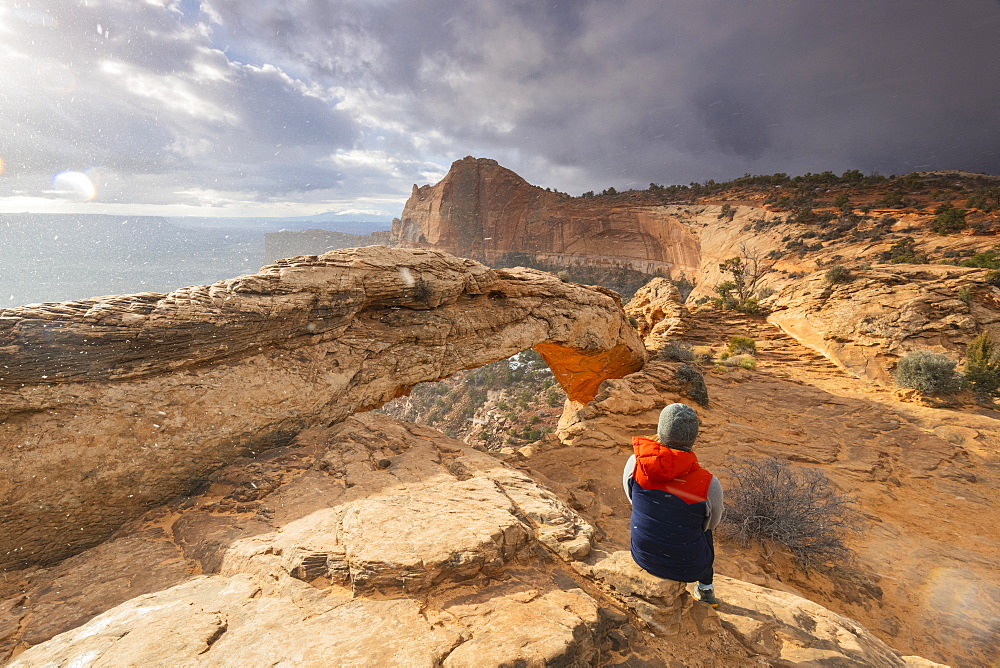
pixel 112 405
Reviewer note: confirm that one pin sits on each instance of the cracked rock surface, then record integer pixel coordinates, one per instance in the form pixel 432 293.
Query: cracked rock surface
pixel 446 544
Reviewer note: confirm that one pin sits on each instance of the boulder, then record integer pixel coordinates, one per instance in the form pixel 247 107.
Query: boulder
pixel 658 310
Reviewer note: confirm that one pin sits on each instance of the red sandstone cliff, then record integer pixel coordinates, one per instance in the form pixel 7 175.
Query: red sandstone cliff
pixel 483 210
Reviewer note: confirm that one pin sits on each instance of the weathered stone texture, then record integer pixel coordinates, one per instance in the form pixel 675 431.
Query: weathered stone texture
pixel 483 210
pixel 868 323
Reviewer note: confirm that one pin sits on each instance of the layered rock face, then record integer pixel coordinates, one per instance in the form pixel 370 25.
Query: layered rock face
pixel 112 405
pixel 866 324
pixel 482 210
pixel 657 310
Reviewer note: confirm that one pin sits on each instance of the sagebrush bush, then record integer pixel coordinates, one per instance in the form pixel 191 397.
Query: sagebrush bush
pixel 676 351
pixel 769 501
pixel 929 372
pixel 742 344
pixel 838 273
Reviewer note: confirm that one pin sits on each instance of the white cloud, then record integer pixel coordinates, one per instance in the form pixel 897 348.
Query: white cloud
pixel 140 90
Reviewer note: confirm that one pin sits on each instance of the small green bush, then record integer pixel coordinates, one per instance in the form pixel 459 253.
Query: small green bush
pixel 553 399
pixel 988 259
pixel 904 251
pixel 742 344
pixel 949 220
pixel 750 306
pixel 838 273
pixel 992 277
pixel 982 365
pixel 929 372
pixel 965 296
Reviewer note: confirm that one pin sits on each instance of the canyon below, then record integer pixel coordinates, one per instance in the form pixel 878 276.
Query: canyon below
pixel 302 467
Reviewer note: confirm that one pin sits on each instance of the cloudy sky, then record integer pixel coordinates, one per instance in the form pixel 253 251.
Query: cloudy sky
pixel 289 107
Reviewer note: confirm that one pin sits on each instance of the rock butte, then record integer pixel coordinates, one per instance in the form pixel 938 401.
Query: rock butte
pixel 482 210
pixel 112 405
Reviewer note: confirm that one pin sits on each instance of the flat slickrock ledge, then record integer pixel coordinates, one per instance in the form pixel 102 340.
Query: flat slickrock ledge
pixel 791 630
pixel 445 556
pixel 777 628
pixel 112 405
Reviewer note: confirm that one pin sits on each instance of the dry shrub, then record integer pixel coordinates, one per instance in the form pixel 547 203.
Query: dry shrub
pixel 928 372
pixel 676 351
pixel 838 273
pixel 742 361
pixel 770 501
pixel 694 383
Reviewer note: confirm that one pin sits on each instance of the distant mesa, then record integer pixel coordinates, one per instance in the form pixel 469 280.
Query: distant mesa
pixel 484 211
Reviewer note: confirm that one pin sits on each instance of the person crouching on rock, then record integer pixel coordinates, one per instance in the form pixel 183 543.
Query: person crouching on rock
pixel 675 504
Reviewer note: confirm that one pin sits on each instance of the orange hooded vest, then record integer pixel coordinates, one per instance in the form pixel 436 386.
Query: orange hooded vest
pixel 672 471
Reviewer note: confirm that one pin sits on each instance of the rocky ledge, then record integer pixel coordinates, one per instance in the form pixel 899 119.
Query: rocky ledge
pixel 377 542
pixel 865 323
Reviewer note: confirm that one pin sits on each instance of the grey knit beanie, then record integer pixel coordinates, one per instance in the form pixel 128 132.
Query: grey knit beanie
pixel 678 427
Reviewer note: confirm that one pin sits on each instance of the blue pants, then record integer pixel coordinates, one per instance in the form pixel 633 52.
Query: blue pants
pixel 706 577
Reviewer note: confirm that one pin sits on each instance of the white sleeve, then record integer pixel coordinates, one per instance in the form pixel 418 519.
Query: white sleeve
pixel 715 505
pixel 626 474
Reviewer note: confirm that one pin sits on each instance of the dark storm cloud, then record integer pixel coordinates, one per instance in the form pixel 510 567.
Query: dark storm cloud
pixel 669 91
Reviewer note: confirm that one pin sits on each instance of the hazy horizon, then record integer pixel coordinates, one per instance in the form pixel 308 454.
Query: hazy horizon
pixel 64 257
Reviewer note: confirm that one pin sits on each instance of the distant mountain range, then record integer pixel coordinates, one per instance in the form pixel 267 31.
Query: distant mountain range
pixel 351 223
